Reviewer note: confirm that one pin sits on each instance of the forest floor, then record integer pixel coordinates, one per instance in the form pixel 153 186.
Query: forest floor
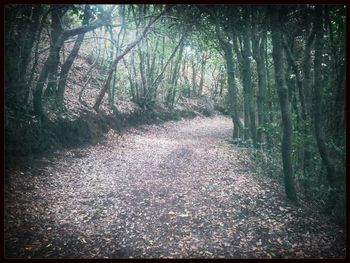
pixel 176 190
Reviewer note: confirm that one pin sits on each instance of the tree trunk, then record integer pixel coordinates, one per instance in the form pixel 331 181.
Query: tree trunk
pixel 305 148
pixel 28 44
pixel 37 96
pixel 18 46
pixel 170 99
pixel 221 84
pixel 339 72
pixel 284 104
pixel 57 30
pixel 36 52
pixel 306 83
pixel 194 76
pixel 242 68
pixel 270 95
pixel 258 46
pixel 201 81
pixel 69 62
pixel 142 72
pixel 232 89
pixel 247 77
pixel 318 98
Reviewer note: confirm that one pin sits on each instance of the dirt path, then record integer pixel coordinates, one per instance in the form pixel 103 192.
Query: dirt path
pixel 175 190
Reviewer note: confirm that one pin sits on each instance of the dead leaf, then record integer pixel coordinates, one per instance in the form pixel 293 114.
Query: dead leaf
pixel 183 215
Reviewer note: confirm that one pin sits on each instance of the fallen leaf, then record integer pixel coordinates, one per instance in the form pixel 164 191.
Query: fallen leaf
pixel 183 215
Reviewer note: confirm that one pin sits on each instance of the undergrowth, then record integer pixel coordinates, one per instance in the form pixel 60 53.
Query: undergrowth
pixel 313 190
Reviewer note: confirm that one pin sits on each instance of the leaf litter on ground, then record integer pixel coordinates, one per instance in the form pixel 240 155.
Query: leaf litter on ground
pixel 176 190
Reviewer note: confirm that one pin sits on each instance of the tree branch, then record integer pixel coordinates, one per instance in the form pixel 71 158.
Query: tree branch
pixel 119 57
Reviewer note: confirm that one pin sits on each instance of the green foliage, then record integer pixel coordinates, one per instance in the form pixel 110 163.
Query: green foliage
pixel 273 129
pixel 268 162
pixel 239 142
pixel 73 16
pixel 171 95
pixel 185 89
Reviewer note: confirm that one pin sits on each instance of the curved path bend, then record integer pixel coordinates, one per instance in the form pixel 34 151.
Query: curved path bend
pixel 177 190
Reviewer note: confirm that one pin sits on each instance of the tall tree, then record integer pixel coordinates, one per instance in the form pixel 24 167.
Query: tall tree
pixel 226 46
pixel 318 97
pixel 258 47
pixel 201 81
pixel 57 12
pixel 21 25
pixel 286 148
pixel 69 62
pixel 247 75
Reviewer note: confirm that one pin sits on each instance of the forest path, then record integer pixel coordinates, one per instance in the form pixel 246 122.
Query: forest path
pixel 174 190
